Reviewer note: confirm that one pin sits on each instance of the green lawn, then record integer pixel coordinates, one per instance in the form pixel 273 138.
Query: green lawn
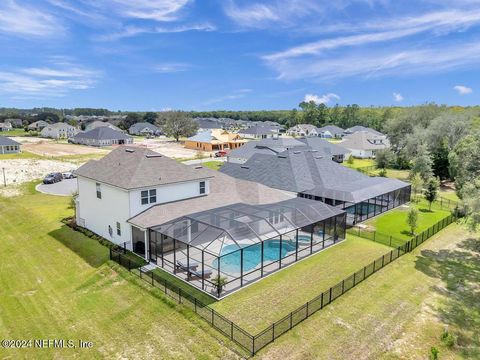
pixel 259 305
pixel 358 163
pixel 401 311
pixel 449 195
pixel 394 222
pixel 214 165
pixel 14 132
pixel 22 155
pixel 58 284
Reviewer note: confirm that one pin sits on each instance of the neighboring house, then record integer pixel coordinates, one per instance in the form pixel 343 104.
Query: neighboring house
pixel 144 129
pixel 97 124
pixel 258 132
pixel 16 123
pixel 5 126
pixel 184 218
pixel 364 144
pixel 303 130
pixel 331 132
pixel 277 146
pixel 308 174
pixel 214 140
pixel 359 128
pixel 208 124
pixel 325 148
pixel 59 131
pixel 37 125
pixel 9 146
pixel 102 136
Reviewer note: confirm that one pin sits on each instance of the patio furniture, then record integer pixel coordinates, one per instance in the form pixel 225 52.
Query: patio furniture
pixel 180 265
pixel 198 274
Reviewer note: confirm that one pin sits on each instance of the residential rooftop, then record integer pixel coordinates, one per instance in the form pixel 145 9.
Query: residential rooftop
pixel 102 133
pixel 6 141
pixel 132 167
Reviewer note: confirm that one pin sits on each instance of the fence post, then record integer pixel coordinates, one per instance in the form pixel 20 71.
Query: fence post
pixel 273 332
pixel 129 265
pixel 152 277
pixel 307 309
pixel 195 302
pixel 231 331
pixel 354 278
pixel 291 320
pixel 110 253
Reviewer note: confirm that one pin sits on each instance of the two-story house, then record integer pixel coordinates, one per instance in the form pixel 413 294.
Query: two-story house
pixel 59 131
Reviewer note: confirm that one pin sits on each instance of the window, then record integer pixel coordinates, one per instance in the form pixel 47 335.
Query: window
pixel 99 191
pixel 202 187
pixel 119 229
pixel 148 196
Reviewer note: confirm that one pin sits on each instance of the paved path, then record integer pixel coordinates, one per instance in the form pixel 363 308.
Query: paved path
pixel 65 187
pixel 199 161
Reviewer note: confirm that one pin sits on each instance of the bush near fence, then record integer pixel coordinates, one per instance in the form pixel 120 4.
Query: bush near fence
pixel 253 343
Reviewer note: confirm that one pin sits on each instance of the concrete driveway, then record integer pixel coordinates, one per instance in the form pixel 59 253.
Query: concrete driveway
pixel 65 187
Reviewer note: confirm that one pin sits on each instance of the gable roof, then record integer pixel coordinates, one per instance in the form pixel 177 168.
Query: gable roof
pixel 258 130
pixel 142 125
pixel 102 133
pixel 333 129
pixel 132 168
pixel 358 128
pixel 97 123
pixel 6 141
pixel 59 125
pixel 307 172
pixel 215 136
pixel 364 140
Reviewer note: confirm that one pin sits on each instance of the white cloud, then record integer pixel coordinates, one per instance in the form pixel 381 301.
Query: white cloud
pixel 380 62
pixel 27 21
pixel 324 99
pixel 265 13
pixel 53 81
pixel 463 90
pixel 397 97
pixel 158 10
pixel 171 67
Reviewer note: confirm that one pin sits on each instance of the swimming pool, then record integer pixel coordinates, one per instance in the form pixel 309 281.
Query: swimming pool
pixel 252 255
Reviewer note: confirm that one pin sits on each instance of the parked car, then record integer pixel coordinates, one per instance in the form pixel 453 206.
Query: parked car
pixel 69 175
pixel 221 153
pixel 52 178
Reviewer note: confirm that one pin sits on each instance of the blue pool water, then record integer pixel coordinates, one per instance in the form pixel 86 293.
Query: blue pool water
pixel 252 255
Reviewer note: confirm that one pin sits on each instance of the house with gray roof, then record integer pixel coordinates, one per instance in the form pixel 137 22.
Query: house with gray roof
pixel 59 131
pixel 303 130
pixel 365 144
pixel 309 174
pixel 258 132
pixel 97 123
pixel 358 128
pixel 9 146
pixel 330 132
pixel 144 129
pixel 194 222
pixel 102 136
pixel 5 126
pixel 279 145
pixel 37 125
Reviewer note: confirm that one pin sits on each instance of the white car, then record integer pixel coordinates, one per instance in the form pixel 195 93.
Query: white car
pixel 69 175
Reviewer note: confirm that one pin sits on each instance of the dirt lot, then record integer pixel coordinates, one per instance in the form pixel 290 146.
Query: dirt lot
pixel 168 148
pixel 56 149
pixel 23 170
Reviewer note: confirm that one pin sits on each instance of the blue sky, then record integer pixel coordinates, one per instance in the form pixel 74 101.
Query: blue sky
pixel 237 54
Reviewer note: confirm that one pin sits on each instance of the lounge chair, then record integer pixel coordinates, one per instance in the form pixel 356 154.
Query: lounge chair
pixel 192 265
pixel 198 274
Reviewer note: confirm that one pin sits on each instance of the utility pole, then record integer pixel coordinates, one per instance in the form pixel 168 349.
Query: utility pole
pixel 4 178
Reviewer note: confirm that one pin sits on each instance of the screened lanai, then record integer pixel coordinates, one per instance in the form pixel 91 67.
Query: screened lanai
pixel 241 243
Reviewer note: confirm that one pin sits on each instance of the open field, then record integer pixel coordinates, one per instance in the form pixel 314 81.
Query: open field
pixel 14 132
pixel 358 163
pixel 214 165
pixel 52 149
pixel 394 222
pixel 401 311
pixel 57 284
pixel 168 147
pixel 259 305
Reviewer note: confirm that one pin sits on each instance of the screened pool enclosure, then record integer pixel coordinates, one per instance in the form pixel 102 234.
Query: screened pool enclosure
pixel 224 249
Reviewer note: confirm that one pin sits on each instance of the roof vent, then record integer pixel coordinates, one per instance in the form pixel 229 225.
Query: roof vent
pixel 282 156
pixel 130 150
pixel 297 152
pixel 319 157
pixel 199 167
pixel 244 167
pixel 148 156
pixel 313 151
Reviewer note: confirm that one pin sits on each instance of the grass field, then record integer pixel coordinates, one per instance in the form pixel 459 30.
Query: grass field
pixel 394 222
pixel 22 155
pixel 261 304
pixel 358 163
pixel 14 132
pixel 214 165
pixel 401 311
pixel 57 284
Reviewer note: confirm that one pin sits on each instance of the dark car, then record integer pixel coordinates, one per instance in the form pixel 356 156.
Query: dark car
pixel 53 178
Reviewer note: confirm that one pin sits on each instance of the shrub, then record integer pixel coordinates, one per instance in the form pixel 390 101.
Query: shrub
pixel 350 160
pixel 433 353
pixel 383 173
pixel 448 339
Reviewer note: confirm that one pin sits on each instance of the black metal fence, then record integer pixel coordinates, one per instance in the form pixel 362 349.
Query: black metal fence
pixel 253 343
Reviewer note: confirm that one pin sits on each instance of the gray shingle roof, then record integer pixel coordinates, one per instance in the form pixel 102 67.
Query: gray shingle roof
pixel 306 171
pixel 132 168
pixel 203 136
pixel 224 190
pixel 364 140
pixel 6 141
pixel 102 133
pixel 324 147
pixel 143 125
pixel 334 130
pixel 258 130
pixel 358 128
